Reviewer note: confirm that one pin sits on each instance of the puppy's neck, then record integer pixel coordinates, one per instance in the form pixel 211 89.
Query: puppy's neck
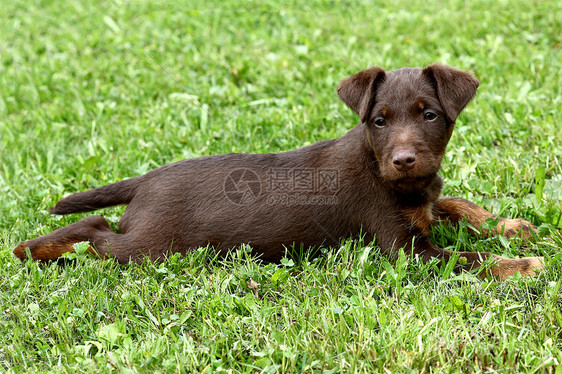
pixel 358 144
pixel 427 195
pixel 417 207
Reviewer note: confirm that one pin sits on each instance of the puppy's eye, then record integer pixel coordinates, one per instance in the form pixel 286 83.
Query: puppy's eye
pixel 429 116
pixel 379 122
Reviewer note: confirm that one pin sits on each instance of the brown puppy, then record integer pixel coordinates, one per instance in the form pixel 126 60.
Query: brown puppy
pixel 379 179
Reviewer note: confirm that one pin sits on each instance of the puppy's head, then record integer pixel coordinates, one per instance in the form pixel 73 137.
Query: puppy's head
pixel 408 116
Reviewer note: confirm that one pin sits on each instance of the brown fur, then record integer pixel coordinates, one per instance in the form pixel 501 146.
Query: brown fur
pixel 420 218
pixel 455 209
pixel 379 179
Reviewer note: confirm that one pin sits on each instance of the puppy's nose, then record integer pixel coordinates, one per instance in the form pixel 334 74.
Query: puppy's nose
pixel 404 160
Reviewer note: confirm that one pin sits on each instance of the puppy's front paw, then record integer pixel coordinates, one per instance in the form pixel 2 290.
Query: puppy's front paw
pixel 527 266
pixel 516 227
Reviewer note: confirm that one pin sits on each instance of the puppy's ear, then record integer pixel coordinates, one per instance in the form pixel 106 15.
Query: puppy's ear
pixel 455 88
pixel 359 90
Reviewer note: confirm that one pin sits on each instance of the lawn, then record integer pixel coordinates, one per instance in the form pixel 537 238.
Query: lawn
pixel 95 92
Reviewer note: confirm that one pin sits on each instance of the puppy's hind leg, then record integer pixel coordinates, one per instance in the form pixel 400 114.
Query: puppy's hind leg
pixel 53 245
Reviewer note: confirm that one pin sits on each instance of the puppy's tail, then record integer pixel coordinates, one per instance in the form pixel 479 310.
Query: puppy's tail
pixel 101 197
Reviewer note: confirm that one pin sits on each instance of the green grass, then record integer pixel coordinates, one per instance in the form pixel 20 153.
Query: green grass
pixel 94 92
